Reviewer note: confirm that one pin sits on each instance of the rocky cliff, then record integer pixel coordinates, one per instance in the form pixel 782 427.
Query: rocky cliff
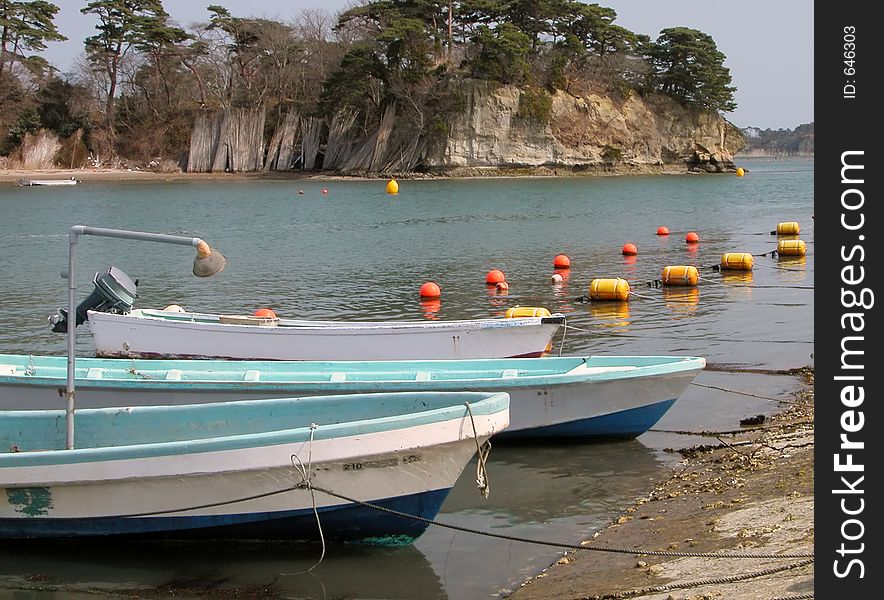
pixel 593 132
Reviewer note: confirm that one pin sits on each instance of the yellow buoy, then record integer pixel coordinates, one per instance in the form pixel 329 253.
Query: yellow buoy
pixel 737 261
pixel 526 311
pixel 788 228
pixel 680 275
pixel 609 289
pixel 392 187
pixel 791 248
pixel 740 172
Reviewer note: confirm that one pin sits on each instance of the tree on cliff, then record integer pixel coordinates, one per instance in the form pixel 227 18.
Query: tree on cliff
pixel 687 65
pixel 122 24
pixel 26 27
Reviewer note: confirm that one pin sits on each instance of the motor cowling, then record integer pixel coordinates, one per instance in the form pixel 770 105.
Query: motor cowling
pixel 114 292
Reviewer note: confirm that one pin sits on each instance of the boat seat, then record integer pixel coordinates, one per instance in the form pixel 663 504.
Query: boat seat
pixel 94 373
pixel 7 369
pixel 582 369
pixel 509 373
pixel 338 377
pixel 173 375
pixel 252 375
pixel 422 376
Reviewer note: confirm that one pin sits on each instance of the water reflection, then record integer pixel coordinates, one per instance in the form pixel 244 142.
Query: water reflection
pixel 199 570
pixel 610 314
pixel 682 300
pixel 431 307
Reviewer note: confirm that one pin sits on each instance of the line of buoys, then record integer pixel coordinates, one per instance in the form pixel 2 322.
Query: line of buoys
pixel 662 230
pixel 787 228
pixel 494 277
pixel 791 248
pixel 629 249
pixel 737 261
pixel 680 275
pixel 609 289
pixel 430 290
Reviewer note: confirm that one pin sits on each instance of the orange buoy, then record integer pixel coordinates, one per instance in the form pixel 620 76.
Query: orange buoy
pixel 629 249
pixel 265 312
pixel 526 311
pixel 692 238
pixel 556 278
pixel 680 275
pixel 430 290
pixel 737 261
pixel 494 277
pixel 791 248
pixel 662 230
pixel 562 262
pixel 609 289
pixel 788 228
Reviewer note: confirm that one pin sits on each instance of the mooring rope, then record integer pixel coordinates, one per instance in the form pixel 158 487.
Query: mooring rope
pixel 305 475
pixel 721 389
pixel 569 546
pixel 709 581
pixel 482 454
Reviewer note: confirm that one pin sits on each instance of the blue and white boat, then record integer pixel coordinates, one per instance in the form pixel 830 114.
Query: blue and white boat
pixel 587 398
pixel 238 469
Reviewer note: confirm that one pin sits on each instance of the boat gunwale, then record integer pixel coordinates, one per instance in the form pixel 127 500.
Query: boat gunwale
pixel 677 364
pixel 288 326
pixel 486 404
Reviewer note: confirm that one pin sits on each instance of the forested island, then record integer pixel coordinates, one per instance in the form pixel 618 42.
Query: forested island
pixel 779 142
pixel 387 86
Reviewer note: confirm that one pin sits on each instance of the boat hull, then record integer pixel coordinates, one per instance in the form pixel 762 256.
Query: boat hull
pixel 620 397
pixel 191 335
pixel 249 486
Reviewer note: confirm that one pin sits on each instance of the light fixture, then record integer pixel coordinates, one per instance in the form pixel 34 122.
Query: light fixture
pixel 208 262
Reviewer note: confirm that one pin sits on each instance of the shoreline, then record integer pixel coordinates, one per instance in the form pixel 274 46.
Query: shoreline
pixel 122 175
pixel 749 492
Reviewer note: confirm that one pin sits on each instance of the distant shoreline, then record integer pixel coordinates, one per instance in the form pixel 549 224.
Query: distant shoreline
pixel 120 175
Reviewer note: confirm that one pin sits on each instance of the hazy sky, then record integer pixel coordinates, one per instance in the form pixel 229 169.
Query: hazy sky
pixel 768 43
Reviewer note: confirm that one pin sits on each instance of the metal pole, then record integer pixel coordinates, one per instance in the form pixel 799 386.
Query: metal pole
pixel 76 231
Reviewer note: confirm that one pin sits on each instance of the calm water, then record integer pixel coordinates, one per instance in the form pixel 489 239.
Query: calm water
pixel 358 253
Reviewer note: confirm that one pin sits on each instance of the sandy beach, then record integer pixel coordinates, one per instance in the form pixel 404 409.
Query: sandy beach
pixel 747 492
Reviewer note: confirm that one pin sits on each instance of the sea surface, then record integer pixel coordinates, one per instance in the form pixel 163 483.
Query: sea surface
pixel 345 249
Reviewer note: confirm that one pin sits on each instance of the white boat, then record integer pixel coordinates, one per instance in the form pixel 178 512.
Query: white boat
pixel 143 333
pixel 241 469
pixel 586 398
pixel 30 182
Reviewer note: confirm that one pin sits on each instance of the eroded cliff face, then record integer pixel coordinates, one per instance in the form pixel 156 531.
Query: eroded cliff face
pixel 590 132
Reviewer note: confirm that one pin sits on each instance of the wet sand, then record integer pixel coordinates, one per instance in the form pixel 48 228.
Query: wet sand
pixel 747 492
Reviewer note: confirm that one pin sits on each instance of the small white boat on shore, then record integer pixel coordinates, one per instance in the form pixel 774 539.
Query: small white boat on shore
pixel 47 182
pixel 240 469
pixel 143 333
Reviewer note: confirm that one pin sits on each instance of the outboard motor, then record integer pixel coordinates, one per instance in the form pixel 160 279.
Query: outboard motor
pixel 114 292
